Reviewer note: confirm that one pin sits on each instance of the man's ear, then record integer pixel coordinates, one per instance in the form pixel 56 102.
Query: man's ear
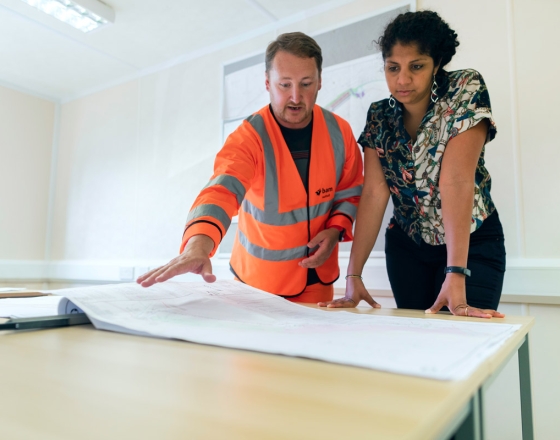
pixel 320 81
pixel 266 82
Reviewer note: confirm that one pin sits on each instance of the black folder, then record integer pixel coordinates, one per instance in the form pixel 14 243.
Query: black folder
pixel 45 322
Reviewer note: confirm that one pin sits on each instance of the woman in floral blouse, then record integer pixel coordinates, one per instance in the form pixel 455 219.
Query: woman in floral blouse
pixel 424 147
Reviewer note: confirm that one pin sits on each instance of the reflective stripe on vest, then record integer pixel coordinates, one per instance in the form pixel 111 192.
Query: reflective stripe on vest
pixel 270 254
pixel 286 218
pixel 271 181
pixel 231 183
pixel 210 211
pixel 346 208
pixel 337 142
pixel 350 192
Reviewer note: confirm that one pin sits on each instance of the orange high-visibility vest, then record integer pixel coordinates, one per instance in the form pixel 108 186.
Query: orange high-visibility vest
pixel 255 176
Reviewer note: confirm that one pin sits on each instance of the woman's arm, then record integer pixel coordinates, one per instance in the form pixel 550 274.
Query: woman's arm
pixel 371 208
pixel 456 185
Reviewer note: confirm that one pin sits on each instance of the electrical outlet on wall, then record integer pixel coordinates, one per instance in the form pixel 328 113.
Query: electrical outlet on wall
pixel 140 270
pixel 126 273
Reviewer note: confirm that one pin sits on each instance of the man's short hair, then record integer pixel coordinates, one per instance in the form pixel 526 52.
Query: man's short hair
pixel 296 43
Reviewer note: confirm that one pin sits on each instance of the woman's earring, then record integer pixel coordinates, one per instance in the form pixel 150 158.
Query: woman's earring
pixel 392 101
pixel 434 97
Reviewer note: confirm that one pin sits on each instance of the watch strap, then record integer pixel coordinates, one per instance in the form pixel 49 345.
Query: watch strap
pixel 457 269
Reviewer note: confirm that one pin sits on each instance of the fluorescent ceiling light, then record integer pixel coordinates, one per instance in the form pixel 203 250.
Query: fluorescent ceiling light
pixel 85 15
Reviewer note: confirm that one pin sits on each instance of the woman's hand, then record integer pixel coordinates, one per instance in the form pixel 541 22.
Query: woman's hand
pixel 355 292
pixel 453 295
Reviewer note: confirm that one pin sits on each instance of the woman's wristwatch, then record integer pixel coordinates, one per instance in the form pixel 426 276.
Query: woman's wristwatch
pixel 457 269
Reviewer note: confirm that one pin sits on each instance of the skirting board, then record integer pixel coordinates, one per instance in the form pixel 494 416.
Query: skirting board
pixel 525 278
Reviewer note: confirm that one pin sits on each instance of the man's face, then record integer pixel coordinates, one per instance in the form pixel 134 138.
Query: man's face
pixel 293 84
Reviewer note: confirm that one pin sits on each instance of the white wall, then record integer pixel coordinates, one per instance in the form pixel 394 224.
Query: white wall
pixel 95 201
pixel 537 67
pixel 26 139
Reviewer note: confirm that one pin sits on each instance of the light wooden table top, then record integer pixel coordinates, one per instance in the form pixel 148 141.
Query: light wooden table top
pixel 76 382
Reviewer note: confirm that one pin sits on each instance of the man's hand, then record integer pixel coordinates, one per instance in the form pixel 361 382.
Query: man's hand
pixel 453 295
pixel 355 292
pixel 194 259
pixel 326 240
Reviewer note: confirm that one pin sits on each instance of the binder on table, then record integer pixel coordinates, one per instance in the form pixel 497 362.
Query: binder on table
pixel 45 322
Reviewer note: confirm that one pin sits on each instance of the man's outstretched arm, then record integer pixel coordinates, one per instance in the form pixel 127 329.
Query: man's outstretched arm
pixel 211 213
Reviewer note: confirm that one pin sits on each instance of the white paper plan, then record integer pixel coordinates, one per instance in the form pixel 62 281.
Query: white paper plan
pixel 232 314
pixel 36 306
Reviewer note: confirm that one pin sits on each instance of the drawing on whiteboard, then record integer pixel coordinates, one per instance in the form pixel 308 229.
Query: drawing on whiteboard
pixel 347 89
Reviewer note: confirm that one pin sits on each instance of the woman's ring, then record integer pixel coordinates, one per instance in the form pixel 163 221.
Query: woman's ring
pixel 459 306
pixel 467 311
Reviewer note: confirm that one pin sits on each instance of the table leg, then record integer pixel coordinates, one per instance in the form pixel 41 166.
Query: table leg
pixel 473 426
pixel 525 390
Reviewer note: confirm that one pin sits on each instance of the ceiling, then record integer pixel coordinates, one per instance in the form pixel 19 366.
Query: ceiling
pixel 48 58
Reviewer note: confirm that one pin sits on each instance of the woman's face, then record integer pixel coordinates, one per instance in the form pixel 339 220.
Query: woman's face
pixel 409 74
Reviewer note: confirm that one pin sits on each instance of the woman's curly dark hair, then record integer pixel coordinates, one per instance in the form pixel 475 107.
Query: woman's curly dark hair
pixel 427 30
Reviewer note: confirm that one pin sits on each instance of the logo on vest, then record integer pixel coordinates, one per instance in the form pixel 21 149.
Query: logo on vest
pixel 325 191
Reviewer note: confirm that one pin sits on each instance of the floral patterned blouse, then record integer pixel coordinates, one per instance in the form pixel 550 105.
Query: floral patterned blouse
pixel 412 169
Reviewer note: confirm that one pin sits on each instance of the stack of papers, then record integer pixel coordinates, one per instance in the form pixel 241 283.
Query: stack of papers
pixel 232 314
pixel 38 306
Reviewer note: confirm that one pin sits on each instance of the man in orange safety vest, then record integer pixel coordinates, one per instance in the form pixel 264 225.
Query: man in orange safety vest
pixel 293 173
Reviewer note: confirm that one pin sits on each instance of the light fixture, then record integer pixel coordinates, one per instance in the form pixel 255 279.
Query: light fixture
pixel 85 15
